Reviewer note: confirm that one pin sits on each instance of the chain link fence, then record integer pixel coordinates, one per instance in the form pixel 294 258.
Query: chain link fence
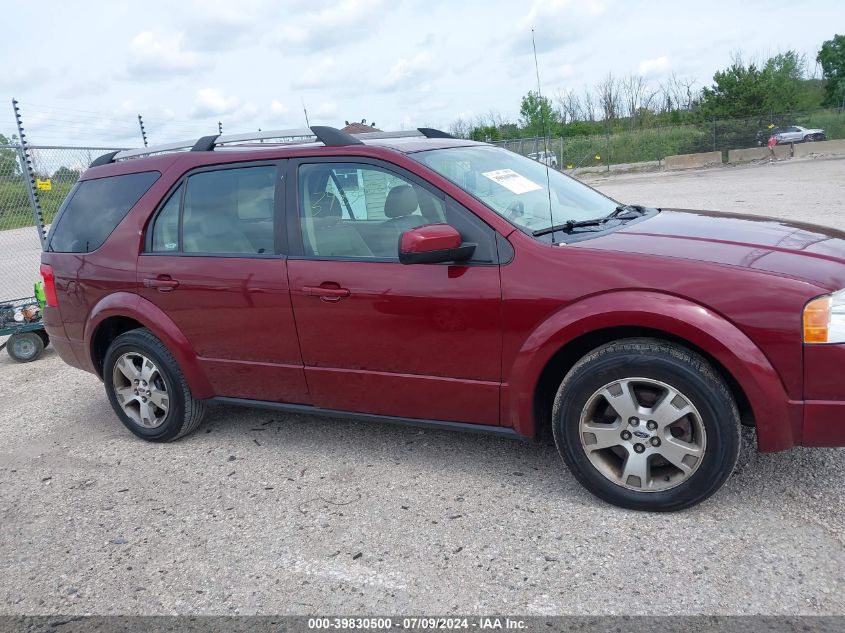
pixel 647 140
pixel 55 171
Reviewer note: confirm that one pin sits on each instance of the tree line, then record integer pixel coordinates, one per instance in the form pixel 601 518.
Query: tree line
pixel 748 88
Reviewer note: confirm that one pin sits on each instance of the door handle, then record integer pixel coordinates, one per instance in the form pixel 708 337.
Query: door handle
pixel 162 283
pixel 329 294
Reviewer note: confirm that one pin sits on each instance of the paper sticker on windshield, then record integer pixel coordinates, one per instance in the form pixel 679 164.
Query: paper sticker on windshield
pixel 512 181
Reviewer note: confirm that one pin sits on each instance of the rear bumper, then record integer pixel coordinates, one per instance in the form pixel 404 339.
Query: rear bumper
pixel 71 351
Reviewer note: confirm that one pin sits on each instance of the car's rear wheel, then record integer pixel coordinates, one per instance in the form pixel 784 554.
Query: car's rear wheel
pixel 647 425
pixel 147 389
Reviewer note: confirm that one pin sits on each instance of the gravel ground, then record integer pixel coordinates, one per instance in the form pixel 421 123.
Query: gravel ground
pixel 266 513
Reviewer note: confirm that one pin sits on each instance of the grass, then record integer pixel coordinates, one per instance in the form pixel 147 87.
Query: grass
pixel 648 144
pixel 15 210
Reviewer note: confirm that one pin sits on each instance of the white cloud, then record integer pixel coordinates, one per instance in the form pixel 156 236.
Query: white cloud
pixel 556 23
pixel 316 75
pixel 211 102
pixel 343 22
pixel 409 72
pixel 652 67
pixel 277 107
pixel 326 109
pixel 161 57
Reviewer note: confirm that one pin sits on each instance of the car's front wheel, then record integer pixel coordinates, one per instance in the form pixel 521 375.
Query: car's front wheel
pixel 647 425
pixel 147 390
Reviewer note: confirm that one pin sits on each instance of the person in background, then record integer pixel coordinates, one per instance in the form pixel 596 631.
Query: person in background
pixel 772 143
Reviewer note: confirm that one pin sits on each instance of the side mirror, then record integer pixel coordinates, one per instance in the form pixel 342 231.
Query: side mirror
pixel 433 244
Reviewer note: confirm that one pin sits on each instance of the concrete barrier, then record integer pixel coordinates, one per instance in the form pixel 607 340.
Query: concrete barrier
pixel 756 153
pixel 691 161
pixel 820 147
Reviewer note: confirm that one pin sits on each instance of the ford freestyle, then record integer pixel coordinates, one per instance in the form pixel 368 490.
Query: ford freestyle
pixel 417 278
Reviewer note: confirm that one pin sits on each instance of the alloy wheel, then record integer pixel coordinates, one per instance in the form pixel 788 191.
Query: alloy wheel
pixel 642 434
pixel 140 390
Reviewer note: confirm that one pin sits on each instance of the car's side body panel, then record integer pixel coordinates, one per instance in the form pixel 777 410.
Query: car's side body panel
pixel 235 313
pixel 457 343
pixel 415 341
pixel 594 290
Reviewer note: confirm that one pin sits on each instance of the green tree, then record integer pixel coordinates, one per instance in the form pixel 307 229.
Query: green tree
pixel 736 91
pixel 65 174
pixel 777 86
pixel 783 76
pixel 537 114
pixel 9 166
pixel 831 57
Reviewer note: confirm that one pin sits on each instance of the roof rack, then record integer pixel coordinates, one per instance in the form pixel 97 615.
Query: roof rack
pixel 328 136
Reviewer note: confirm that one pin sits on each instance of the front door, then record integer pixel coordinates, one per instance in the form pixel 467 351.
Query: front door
pixel 377 336
pixel 211 264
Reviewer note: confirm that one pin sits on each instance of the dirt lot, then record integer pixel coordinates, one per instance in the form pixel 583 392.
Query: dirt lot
pixel 266 513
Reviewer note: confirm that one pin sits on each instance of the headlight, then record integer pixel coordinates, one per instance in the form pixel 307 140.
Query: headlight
pixel 824 319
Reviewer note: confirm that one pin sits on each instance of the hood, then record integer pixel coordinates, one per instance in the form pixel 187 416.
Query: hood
pixel 802 251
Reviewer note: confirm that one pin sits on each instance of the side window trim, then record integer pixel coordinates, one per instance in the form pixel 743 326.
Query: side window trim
pixel 279 229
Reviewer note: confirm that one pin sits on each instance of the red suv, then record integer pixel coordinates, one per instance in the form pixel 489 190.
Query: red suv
pixel 439 282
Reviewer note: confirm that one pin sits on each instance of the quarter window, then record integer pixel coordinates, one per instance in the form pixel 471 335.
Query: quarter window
pixel 94 208
pixel 166 228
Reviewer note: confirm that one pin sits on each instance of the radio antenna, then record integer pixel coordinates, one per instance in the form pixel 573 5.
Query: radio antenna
pixel 307 124
pixel 545 134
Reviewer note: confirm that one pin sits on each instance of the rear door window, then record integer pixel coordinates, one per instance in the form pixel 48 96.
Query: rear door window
pixel 94 208
pixel 226 211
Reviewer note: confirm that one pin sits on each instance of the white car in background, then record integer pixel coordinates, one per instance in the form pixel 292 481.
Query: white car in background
pixel 547 158
pixel 798 134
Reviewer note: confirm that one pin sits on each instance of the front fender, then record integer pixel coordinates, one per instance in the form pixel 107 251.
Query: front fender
pixel 778 420
pixel 126 304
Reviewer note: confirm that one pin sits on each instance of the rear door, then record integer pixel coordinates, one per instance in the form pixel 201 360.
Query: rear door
pixel 212 262
pixel 377 336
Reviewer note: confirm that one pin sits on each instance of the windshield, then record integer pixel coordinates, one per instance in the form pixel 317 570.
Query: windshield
pixel 515 187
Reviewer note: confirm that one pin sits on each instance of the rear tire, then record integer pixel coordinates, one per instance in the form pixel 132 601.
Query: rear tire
pixel 612 423
pixel 147 389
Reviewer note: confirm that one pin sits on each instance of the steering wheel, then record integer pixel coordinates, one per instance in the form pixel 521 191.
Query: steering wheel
pixel 515 210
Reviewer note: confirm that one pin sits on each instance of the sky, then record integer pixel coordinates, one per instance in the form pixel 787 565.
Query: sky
pixel 83 70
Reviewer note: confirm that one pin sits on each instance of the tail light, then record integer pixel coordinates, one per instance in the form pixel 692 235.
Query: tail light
pixel 49 285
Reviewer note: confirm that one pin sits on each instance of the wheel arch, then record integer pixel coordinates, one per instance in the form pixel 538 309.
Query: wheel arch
pixel 567 335
pixel 565 358
pixel 120 312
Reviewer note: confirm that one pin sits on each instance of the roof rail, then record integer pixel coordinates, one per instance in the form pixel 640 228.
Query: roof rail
pixel 329 136
pixel 262 136
pixel 397 134
pixel 430 132
pixel 332 137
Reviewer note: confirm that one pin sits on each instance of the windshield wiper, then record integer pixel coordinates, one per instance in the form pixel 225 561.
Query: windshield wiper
pixel 622 209
pixel 617 214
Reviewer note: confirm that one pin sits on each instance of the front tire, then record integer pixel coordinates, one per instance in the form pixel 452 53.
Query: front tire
pixel 147 389
pixel 647 425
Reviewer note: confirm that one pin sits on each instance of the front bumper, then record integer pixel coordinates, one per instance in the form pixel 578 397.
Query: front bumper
pixel 824 423
pixel 824 395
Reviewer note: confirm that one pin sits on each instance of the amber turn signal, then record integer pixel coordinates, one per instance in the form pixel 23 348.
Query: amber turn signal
pixel 817 320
